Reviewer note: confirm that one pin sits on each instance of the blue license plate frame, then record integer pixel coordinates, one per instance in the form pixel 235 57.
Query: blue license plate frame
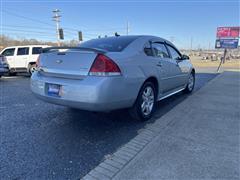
pixel 53 90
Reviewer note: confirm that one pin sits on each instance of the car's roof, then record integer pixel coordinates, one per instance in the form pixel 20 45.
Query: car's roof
pixel 130 36
pixel 155 38
pixel 147 37
pixel 137 41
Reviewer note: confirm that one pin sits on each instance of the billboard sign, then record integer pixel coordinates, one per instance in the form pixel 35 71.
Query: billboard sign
pixel 226 43
pixel 228 32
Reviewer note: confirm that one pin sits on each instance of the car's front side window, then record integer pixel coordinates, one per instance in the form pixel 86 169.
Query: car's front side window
pixel 8 52
pixel 174 53
pixel 160 50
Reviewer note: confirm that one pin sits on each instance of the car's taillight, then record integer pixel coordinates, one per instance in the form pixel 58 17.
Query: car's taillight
pixel 38 62
pixel 3 59
pixel 104 66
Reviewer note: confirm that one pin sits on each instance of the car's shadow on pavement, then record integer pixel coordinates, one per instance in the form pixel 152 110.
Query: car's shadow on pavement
pixel 117 127
pixel 55 142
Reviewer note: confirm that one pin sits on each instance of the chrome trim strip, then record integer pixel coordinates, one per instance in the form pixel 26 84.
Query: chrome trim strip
pixel 82 71
pixel 171 94
pixel 62 73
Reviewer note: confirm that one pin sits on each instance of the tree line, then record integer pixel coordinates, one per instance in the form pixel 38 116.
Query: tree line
pixel 6 41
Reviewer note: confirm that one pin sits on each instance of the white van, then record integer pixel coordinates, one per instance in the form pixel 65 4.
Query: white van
pixel 22 58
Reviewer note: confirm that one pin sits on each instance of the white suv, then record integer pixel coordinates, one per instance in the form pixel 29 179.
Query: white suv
pixel 22 58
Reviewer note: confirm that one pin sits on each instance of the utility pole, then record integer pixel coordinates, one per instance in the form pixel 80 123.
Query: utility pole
pixel 172 38
pixel 127 27
pixel 56 18
pixel 191 42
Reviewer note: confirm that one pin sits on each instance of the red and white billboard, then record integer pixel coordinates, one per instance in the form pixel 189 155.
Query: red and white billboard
pixel 228 32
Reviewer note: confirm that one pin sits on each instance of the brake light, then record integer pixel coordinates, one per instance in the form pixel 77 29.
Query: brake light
pixel 38 62
pixel 104 66
pixel 2 59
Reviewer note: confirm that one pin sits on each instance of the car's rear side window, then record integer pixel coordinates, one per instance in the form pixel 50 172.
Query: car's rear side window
pixel 23 51
pixel 36 50
pixel 160 50
pixel 111 44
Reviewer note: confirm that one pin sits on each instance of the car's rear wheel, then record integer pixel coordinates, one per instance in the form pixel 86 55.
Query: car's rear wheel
pixel 12 73
pixel 145 104
pixel 191 83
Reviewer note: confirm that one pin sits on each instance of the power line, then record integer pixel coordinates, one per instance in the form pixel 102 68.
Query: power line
pixel 34 27
pixel 24 17
pixel 69 30
pixel 24 34
pixel 29 27
pixel 47 33
pixel 38 33
pixel 27 31
pixel 72 29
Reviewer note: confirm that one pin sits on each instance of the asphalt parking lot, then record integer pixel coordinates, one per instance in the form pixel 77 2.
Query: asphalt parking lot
pixel 41 140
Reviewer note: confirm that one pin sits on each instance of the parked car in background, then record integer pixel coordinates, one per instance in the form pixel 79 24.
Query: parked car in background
pixel 3 66
pixel 111 73
pixel 22 58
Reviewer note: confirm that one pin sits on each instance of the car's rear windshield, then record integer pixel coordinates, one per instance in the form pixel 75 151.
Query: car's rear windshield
pixel 111 44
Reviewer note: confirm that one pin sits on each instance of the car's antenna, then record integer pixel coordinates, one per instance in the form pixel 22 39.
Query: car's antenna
pixel 116 34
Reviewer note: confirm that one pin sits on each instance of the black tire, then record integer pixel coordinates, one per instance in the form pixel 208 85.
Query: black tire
pixel 30 68
pixel 12 73
pixel 136 111
pixel 189 89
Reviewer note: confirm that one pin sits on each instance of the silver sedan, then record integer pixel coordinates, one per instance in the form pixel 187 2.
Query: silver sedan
pixel 111 73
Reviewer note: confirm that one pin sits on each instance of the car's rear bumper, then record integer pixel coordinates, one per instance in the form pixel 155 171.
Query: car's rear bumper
pixel 91 93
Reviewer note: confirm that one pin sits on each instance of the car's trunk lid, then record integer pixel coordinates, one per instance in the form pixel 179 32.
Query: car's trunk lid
pixel 69 64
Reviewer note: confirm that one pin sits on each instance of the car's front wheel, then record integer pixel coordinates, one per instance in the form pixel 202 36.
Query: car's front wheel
pixel 31 68
pixel 145 104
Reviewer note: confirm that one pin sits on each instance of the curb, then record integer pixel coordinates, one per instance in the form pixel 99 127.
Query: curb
pixel 113 164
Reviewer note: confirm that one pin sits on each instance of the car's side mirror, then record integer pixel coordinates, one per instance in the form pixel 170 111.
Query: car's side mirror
pixel 185 57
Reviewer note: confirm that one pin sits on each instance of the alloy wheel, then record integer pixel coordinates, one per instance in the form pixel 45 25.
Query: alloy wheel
pixel 190 82
pixel 147 100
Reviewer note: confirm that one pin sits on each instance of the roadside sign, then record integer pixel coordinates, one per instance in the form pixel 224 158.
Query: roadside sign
pixel 228 32
pixel 226 43
pixel 227 38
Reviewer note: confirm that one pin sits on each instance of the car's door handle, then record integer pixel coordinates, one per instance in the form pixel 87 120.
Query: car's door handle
pixel 159 64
